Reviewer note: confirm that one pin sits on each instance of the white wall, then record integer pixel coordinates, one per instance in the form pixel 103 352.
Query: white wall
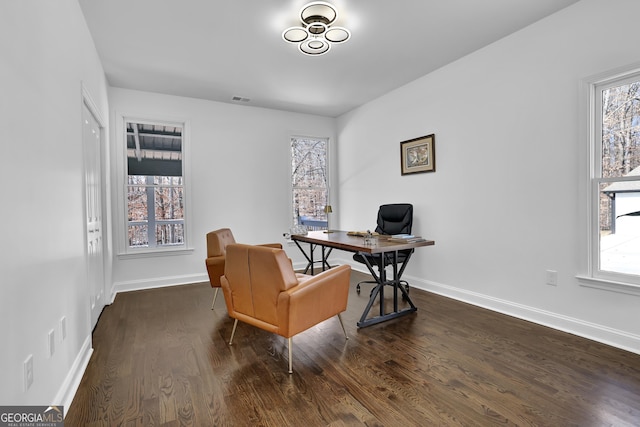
pixel 507 201
pixel 46 53
pixel 240 177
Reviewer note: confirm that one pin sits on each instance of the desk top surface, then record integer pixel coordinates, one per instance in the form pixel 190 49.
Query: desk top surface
pixel 341 240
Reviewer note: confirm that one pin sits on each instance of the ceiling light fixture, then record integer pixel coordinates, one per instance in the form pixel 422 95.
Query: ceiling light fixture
pixel 316 34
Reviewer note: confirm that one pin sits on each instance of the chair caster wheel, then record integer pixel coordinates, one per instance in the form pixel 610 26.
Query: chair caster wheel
pixel 405 297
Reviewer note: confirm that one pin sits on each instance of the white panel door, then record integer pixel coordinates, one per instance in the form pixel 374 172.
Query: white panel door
pixel 93 187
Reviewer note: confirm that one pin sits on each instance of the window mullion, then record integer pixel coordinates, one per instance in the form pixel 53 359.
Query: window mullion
pixel 151 213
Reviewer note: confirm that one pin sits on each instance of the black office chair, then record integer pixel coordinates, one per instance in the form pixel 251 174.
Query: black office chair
pixel 392 219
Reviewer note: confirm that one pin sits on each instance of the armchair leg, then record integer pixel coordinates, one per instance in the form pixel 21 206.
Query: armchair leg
pixel 215 295
pixel 290 355
pixel 342 324
pixel 233 332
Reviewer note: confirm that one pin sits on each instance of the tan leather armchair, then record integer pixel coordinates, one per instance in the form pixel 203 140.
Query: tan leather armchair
pixel 262 289
pixel 217 241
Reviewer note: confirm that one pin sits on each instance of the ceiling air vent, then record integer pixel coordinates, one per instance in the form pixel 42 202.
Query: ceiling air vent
pixel 240 99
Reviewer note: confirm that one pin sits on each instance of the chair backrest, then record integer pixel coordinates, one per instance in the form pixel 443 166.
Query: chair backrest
pixel 218 240
pixel 395 218
pixel 256 276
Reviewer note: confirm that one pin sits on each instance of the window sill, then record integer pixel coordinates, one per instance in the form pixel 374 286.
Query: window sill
pixel 609 285
pixel 150 253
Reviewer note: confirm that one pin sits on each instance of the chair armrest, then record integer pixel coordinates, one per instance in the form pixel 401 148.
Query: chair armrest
pixel 215 268
pixel 272 245
pixel 314 300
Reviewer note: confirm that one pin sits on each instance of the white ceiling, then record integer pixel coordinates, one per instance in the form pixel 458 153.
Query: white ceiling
pixel 214 49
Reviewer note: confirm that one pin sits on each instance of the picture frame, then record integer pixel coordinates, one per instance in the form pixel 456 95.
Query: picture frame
pixel 418 155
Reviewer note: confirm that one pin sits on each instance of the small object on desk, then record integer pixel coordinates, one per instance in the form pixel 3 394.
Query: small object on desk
pixel 369 239
pixel 327 210
pixel 412 239
pixel 298 230
pixel 361 233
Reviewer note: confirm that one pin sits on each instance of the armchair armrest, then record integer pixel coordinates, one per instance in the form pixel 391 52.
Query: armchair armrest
pixel 314 300
pixel 215 268
pixel 272 245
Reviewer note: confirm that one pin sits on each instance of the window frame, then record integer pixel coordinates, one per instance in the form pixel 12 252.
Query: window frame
pixel 122 223
pixel 292 217
pixel 595 277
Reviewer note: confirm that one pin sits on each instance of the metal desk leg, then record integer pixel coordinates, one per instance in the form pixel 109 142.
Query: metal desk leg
pixel 309 257
pixel 325 256
pixel 381 279
pixel 374 293
pixel 396 281
pixel 309 260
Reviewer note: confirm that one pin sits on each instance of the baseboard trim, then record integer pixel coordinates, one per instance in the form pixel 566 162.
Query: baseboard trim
pixel 599 333
pixel 71 383
pixel 581 328
pixel 595 332
pixel 158 282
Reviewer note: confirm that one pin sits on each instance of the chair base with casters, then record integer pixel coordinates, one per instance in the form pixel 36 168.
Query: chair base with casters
pixel 373 282
pixel 262 289
pixel 403 257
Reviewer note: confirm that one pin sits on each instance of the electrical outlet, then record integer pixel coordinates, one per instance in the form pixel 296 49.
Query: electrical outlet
pixel 52 342
pixel 63 327
pixel 552 278
pixel 28 372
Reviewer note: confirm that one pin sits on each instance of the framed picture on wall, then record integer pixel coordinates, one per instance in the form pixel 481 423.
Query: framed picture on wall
pixel 418 155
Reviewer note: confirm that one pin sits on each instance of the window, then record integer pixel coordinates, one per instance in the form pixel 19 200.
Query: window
pixel 615 180
pixel 154 186
pixel 310 192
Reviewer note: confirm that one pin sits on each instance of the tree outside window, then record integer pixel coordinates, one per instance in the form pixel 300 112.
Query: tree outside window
pixel 310 192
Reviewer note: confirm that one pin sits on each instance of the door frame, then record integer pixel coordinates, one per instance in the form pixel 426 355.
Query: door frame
pixel 107 297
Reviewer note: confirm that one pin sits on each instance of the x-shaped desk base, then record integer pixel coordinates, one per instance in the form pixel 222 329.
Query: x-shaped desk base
pixel 311 262
pixel 381 280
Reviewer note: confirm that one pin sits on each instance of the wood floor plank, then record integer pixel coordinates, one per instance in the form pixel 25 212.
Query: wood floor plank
pixel 161 358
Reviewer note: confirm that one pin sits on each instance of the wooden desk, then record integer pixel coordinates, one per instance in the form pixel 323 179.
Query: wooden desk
pixel 342 241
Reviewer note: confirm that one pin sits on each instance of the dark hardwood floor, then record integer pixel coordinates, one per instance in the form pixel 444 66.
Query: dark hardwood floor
pixel 161 359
